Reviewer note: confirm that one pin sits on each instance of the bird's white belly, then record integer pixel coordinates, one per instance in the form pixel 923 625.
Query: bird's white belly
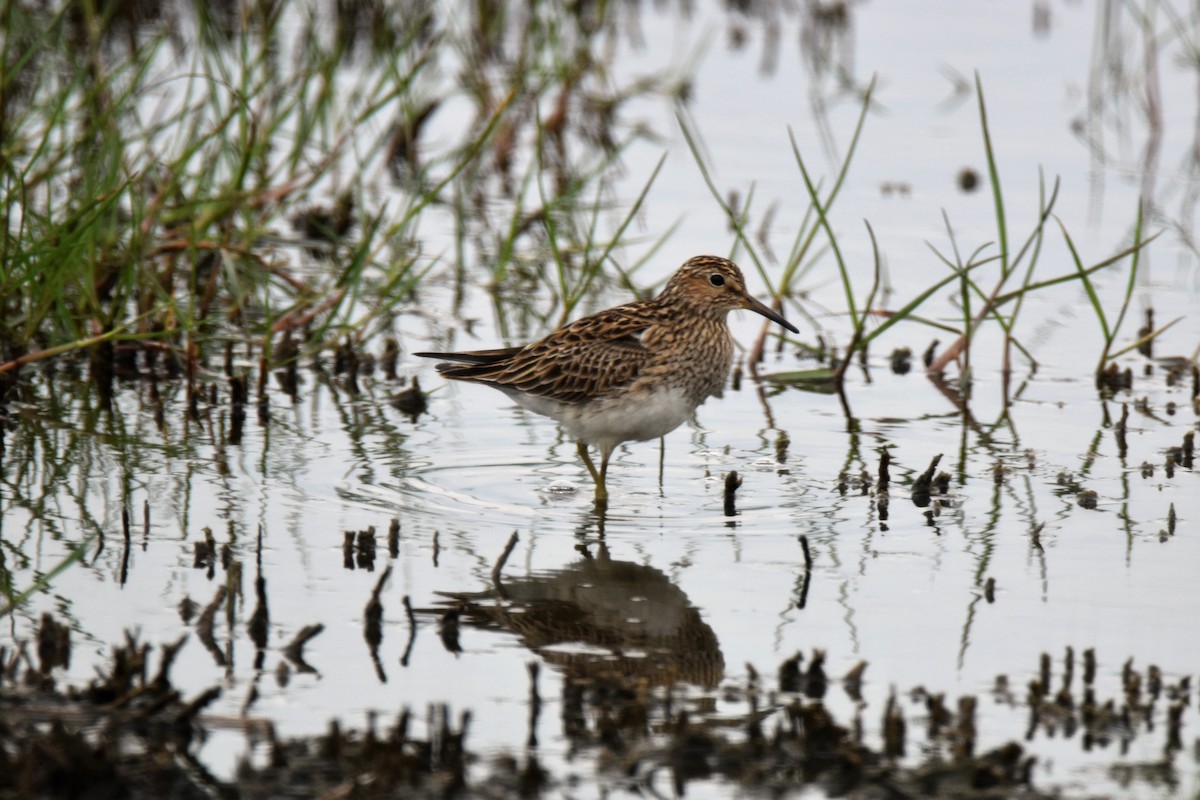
pixel 661 411
pixel 599 422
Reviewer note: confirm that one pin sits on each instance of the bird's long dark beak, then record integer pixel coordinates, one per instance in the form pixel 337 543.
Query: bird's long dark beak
pixel 768 312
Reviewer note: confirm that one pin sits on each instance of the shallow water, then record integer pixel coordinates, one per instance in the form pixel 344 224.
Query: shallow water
pixel 664 581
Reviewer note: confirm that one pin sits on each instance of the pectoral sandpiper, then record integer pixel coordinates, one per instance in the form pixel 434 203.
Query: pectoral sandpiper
pixel 630 373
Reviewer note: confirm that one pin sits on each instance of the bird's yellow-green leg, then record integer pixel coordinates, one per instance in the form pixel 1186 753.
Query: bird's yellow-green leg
pixel 587 462
pixel 602 484
pixel 597 475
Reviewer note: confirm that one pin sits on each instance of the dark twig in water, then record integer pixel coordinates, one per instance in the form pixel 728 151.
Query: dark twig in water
pixel 448 630
pixel 393 539
pixel 1035 536
pixel 294 652
pixel 260 620
pixel 789 677
pixel 411 401
pixel 205 552
pixel 365 548
pixel 939 716
pixel 412 631
pixel 815 681
pixel 921 492
pixel 782 442
pixel 259 625
pixel 1089 666
pixel 99 544
pixel 1068 669
pixel 204 626
pixel 732 482
pixel 852 681
pixel 53 645
pixel 251 699
pixel 1120 429
pixel 894 728
pixel 125 545
pixel 391 353
pixel 882 496
pixel 162 679
pixel 373 623
pixel 189 712
pixel 238 395
pixel 930 352
pixel 807 572
pixel 964 743
pixel 500 562
pixel 535 703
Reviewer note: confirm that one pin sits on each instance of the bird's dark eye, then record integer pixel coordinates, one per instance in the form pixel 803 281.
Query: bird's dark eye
pixel 716 279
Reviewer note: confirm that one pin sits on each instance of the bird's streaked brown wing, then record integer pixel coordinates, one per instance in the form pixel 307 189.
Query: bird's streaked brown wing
pixel 584 359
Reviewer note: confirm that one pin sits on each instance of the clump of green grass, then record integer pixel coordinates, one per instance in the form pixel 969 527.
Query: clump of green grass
pixel 978 304
pixel 1106 368
pixel 268 179
pixel 262 189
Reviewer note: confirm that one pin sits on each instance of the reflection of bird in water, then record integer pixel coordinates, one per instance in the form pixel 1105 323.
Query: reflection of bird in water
pixel 602 617
pixel 631 373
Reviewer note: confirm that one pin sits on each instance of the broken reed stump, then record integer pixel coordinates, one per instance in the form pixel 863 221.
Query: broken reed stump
pixel 1120 431
pixel 803 601
pixel 294 652
pixel 881 487
pixel 922 491
pixel 500 562
pixel 373 623
pixel 412 401
pixel 732 482
pixel 393 539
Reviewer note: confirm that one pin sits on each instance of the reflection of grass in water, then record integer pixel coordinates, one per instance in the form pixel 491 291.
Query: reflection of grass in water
pixel 14 599
pixel 137 729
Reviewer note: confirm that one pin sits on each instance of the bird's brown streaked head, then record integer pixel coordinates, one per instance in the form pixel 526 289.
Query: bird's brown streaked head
pixel 715 285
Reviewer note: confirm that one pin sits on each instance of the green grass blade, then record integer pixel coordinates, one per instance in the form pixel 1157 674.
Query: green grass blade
pixel 994 177
pixel 1141 340
pixel 1097 306
pixel 1133 273
pixel 815 201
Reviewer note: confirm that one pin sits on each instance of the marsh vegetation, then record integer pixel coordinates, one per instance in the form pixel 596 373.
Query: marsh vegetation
pixel 235 512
